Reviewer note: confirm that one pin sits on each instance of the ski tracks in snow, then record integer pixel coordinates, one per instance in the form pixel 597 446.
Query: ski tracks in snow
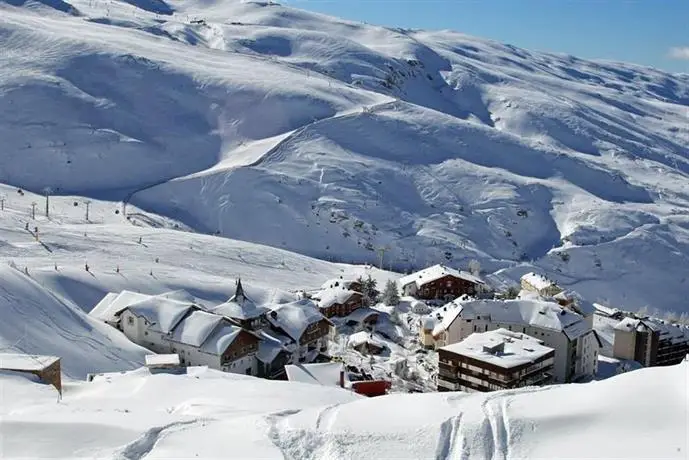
pixel 144 444
pixel 482 430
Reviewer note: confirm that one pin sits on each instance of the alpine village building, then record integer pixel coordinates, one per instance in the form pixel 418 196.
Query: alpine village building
pixel 570 334
pixel 235 336
pixel 494 360
pixel 650 342
pixel 440 283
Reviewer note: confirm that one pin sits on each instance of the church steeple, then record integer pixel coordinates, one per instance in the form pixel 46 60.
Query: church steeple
pixel 239 296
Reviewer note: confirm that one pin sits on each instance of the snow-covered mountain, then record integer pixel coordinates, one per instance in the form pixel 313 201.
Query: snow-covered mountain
pixel 265 123
pixel 208 414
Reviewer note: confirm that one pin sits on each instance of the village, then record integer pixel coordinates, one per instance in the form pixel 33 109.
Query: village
pixel 438 329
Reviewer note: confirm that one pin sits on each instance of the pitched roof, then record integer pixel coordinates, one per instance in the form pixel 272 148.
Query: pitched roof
pixel 110 306
pixel 331 296
pixel 239 306
pixel 538 313
pixel 162 313
pixel 294 317
pixel 362 314
pixel 436 272
pixel 24 362
pixel 518 348
pixel 221 338
pixel 195 328
pixel 269 347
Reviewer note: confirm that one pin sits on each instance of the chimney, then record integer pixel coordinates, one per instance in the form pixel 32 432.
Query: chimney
pixel 342 375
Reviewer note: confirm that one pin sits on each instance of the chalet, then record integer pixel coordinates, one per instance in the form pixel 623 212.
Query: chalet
pixel 365 344
pixel 364 317
pixel 242 310
pixel 200 338
pixel 539 284
pixel 46 368
pixel 494 360
pixel 304 325
pixel 440 282
pixel 338 301
pixel 575 343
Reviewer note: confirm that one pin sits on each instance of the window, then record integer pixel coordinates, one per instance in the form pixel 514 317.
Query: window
pixel 130 320
pixel 145 332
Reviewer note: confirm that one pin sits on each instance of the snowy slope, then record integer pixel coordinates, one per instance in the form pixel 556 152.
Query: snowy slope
pixel 640 414
pixel 34 321
pixel 265 123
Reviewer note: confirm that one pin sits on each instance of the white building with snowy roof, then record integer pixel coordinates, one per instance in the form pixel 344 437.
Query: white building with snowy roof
pixel 650 341
pixel 540 284
pixel 440 282
pixel 569 334
pixel 200 338
pixel 495 360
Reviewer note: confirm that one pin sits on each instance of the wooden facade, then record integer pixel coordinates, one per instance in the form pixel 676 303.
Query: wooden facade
pixel 243 345
pixel 448 287
pixel 354 302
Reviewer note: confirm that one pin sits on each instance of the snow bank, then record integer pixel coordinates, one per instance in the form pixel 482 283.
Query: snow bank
pixel 192 416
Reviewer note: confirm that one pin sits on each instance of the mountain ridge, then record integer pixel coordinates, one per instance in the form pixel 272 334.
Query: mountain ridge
pixel 261 122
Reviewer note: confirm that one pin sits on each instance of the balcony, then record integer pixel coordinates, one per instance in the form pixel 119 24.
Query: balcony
pixel 451 386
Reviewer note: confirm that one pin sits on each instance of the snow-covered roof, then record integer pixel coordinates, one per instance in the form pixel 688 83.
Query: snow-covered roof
pixel 436 272
pixel 109 308
pixel 362 337
pixel 221 338
pixel 24 362
pixel 628 324
pixel 195 328
pixel 361 314
pixel 327 374
pixel 606 311
pixel 538 313
pixel 162 313
pixel 239 310
pixel 170 359
pixel 518 348
pixel 444 316
pixel 538 281
pixel 294 317
pixel 331 296
pixel 269 347
pixel 672 332
pixel 339 283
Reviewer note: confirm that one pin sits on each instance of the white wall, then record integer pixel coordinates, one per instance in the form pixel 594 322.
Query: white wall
pixel 557 340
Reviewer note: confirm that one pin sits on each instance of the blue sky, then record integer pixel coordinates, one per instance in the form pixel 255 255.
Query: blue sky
pixel 641 31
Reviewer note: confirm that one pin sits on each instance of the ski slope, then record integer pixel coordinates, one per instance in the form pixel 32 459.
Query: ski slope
pixel 138 415
pixel 264 123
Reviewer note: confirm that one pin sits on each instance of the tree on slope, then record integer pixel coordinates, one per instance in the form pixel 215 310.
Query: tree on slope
pixel 391 295
pixel 368 290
